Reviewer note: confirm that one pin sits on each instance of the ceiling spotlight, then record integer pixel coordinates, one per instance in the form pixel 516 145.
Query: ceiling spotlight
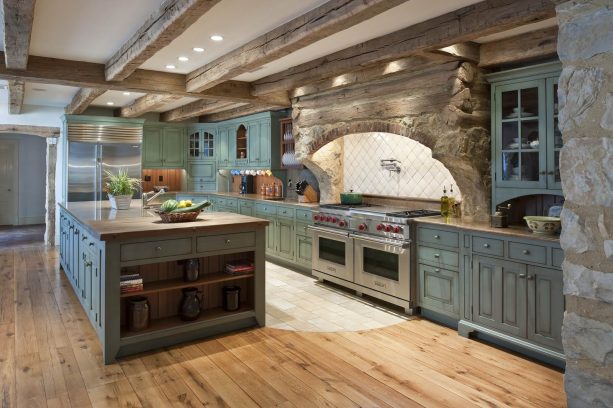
pixel 183 59
pixel 170 66
pixel 110 103
pixel 216 37
pixel 198 49
pixel 126 93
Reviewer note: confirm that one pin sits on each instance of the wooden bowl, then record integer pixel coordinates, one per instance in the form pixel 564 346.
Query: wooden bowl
pixel 543 225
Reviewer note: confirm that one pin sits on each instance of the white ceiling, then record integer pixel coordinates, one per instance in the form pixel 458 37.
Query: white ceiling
pixel 93 30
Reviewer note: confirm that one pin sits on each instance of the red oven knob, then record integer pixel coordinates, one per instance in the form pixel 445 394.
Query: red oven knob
pixel 388 228
pixel 316 217
pixel 363 227
pixel 342 223
pixel 397 229
pixel 328 218
pixel 334 220
pixel 379 227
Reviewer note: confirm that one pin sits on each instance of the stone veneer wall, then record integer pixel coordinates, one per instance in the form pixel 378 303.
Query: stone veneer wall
pixel 446 108
pixel 585 46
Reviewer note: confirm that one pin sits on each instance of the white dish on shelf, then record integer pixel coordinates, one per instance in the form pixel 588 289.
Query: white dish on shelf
pixel 513 146
pixel 519 114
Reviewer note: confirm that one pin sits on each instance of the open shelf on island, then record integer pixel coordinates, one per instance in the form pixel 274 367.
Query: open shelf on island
pixel 173 284
pixel 174 321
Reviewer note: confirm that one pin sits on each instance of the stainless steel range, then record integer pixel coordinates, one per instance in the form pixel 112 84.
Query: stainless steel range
pixel 367 248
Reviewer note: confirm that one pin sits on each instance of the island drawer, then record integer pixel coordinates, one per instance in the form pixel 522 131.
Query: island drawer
pixel 304 215
pixel 528 252
pixel 438 256
pixel 286 212
pixel 225 241
pixel 156 249
pixel 438 237
pixel 488 246
pixel 265 209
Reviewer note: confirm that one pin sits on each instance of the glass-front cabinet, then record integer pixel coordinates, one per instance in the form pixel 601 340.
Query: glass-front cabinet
pixel 526 141
pixel 201 144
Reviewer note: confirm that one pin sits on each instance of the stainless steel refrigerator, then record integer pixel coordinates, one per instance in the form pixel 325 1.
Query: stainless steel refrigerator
pixel 87 163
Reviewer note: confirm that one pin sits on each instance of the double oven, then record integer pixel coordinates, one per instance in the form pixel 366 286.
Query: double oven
pixel 379 264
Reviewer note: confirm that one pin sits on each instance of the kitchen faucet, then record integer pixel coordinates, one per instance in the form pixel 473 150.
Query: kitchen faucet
pixel 147 200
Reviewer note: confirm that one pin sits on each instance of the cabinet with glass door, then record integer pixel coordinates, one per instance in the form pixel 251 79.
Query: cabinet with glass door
pixel 201 144
pixel 526 141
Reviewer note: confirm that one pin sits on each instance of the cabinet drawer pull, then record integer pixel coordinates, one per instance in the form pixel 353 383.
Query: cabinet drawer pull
pixel 436 270
pixel 158 248
pixel 83 238
pixel 91 244
pixel 437 237
pixel 486 245
pixel 437 255
pixel 530 277
pixel 227 242
pixel 522 275
pixel 525 252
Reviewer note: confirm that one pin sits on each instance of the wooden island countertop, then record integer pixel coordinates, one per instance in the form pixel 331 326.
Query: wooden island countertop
pixel 105 223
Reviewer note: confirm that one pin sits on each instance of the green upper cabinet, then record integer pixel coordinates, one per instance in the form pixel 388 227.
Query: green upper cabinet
pixel 163 146
pixel 223 158
pixel 239 145
pixel 525 137
pixel 201 143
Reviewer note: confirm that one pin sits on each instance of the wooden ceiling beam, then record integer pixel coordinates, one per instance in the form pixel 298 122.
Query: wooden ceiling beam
pixel 82 99
pixel 236 112
pixel 195 109
pixel 146 104
pixel 465 24
pixel 170 21
pixel 321 22
pixel 42 131
pixel 16 91
pixel 18 18
pixel 524 47
pixel 91 75
pixel 466 51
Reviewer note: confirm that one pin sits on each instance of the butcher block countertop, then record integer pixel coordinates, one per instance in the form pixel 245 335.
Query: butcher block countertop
pixel 107 224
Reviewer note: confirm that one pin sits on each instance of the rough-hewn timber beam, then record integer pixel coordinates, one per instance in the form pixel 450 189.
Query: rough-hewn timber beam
pixel 195 109
pixel 146 104
pixel 82 99
pixel 91 75
pixel 18 17
pixel 236 112
pixel 465 24
pixel 466 51
pixel 536 44
pixel 321 22
pixel 16 90
pixel 170 21
pixel 42 131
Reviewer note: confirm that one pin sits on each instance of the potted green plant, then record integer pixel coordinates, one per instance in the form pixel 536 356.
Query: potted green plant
pixel 120 188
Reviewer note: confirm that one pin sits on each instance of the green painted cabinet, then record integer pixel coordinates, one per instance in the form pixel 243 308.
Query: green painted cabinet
pixel 223 158
pixel 439 289
pixel 246 207
pixel 545 306
pixel 303 246
pixel 201 143
pixel 285 235
pixel 163 146
pixel 499 295
pixel 526 141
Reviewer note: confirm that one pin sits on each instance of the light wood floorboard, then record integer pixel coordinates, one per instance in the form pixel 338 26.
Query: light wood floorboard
pixel 50 357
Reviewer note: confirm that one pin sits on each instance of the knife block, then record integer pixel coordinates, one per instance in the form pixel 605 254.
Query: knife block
pixel 309 196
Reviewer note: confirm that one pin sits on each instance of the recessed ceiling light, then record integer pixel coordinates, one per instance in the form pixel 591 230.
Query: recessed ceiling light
pixel 216 37
pixel 170 66
pixel 183 59
pixel 198 49
pixel 110 103
pixel 126 93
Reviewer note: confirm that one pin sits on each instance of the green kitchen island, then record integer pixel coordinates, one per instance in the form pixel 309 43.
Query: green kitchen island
pixel 98 245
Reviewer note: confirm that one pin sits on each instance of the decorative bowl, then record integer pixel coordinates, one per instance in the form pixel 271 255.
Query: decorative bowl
pixel 178 217
pixel 543 225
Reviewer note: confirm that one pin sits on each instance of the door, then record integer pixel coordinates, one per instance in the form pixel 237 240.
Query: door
pixel 499 295
pixel 82 177
pixel 333 253
pixel 439 290
pixel 239 148
pixel 271 236
pixel 521 135
pixel 304 249
pixel 208 144
pixel 545 306
pixel 382 265
pixel 222 147
pixel 9 151
pixel 193 145
pixel 264 142
pixel 152 147
pixel 255 144
pixel 285 242
pixel 172 147
pixel 554 137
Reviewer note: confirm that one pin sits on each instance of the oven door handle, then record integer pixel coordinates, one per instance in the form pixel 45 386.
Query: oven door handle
pixel 328 231
pixel 399 244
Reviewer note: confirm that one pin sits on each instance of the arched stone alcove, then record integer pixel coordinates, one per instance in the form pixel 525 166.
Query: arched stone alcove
pixel 445 110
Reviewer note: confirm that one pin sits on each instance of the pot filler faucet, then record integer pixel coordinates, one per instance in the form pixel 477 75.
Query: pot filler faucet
pixel 147 200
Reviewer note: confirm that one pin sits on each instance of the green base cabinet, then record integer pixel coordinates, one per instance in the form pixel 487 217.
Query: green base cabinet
pixel 303 247
pixel 439 290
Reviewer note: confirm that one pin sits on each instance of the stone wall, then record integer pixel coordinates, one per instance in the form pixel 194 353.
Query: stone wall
pixel 585 46
pixel 446 108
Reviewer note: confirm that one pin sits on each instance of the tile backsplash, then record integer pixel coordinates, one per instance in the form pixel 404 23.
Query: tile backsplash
pixel 420 175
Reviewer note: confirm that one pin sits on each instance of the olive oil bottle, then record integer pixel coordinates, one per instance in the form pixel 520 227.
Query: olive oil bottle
pixel 445 204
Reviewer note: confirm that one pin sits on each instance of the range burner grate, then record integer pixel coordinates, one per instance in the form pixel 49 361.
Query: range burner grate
pixel 346 207
pixel 413 213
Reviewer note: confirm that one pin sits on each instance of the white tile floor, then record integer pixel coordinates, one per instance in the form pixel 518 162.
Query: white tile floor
pixel 298 302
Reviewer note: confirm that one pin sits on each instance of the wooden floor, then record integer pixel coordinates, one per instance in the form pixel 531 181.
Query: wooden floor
pixel 49 356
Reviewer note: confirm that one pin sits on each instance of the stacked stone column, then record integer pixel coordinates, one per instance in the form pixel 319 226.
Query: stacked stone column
pixel 585 47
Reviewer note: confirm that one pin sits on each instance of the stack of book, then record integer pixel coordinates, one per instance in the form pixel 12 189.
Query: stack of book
pixel 131 283
pixel 239 267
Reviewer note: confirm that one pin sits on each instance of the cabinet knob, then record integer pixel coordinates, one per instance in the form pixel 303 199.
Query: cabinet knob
pixel 91 244
pixel 437 255
pixel 158 249
pixel 83 238
pixel 227 241
pixel 437 237
pixel 525 252
pixel 522 275
pixel 436 270
pixel 486 245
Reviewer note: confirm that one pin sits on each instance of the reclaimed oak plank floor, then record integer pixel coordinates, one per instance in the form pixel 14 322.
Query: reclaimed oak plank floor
pixel 50 357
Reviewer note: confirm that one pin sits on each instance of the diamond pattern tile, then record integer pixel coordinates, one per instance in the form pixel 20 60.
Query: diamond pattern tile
pixel 421 176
